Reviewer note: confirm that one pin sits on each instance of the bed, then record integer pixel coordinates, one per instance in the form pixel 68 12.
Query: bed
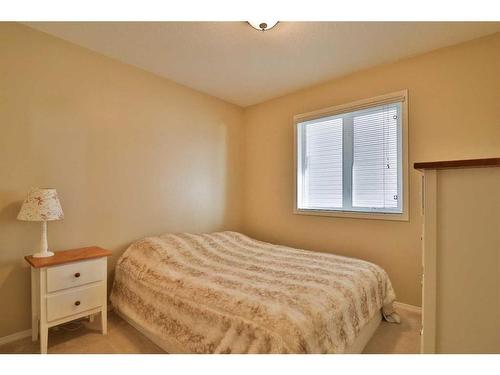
pixel 227 293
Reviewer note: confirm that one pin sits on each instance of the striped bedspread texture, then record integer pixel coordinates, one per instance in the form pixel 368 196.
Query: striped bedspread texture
pixel 227 293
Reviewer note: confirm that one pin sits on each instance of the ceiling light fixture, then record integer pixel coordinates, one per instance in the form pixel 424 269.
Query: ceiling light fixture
pixel 263 25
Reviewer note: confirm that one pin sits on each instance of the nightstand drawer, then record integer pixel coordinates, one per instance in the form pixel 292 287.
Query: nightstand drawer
pixel 72 302
pixel 75 274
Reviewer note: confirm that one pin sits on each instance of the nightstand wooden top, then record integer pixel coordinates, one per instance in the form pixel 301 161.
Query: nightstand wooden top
pixel 67 256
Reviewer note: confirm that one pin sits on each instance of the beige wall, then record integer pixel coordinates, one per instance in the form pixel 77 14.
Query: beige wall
pixel 454 113
pixel 131 154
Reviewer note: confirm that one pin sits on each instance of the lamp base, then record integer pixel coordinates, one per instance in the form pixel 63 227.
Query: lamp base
pixel 45 254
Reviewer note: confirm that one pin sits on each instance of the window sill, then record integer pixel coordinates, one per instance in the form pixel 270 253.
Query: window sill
pixel 354 215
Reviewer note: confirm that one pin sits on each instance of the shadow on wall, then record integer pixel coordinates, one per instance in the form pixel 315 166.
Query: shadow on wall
pixel 14 272
pixel 12 230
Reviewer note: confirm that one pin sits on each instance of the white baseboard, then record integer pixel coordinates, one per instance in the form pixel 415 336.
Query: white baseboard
pixel 406 306
pixel 15 336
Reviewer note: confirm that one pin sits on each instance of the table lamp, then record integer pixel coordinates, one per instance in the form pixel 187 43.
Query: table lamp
pixel 41 205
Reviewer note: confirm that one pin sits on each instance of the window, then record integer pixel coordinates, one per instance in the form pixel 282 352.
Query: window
pixel 351 159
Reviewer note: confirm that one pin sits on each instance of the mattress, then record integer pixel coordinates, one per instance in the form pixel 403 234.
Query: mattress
pixel 227 293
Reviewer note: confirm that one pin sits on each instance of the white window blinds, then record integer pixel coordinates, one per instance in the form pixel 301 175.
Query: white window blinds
pixel 375 159
pixel 351 161
pixel 323 164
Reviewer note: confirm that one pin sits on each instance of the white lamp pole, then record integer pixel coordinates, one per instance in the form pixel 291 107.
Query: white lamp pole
pixel 44 247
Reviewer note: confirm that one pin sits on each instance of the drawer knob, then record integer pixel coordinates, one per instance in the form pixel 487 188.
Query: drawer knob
pixel 77 274
pixel 77 303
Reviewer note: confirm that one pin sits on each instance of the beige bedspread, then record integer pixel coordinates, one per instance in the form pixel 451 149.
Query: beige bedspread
pixel 227 293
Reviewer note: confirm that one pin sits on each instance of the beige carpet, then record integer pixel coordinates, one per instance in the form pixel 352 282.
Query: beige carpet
pixel 401 338
pixel 85 337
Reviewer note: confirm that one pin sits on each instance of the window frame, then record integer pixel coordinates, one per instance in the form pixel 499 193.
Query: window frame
pixel 395 97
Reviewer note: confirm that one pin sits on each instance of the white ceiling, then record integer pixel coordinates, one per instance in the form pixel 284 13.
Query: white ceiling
pixel 234 62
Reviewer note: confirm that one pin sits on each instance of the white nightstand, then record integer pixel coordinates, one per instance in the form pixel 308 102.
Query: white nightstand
pixel 67 286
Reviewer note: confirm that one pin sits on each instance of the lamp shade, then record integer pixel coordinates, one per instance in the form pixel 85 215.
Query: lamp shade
pixel 41 205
